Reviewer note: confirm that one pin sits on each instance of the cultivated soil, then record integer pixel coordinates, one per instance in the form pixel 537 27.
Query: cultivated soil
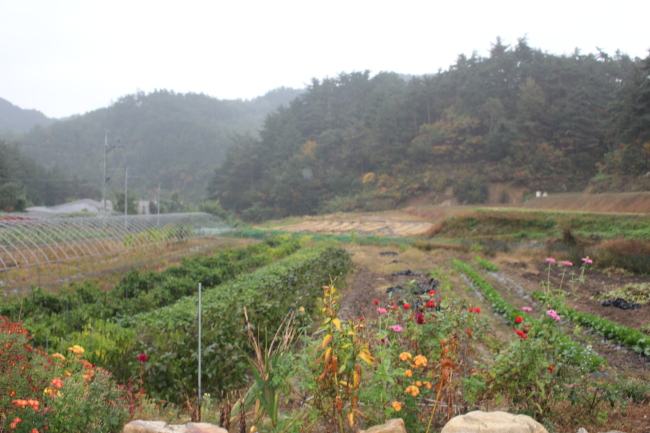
pixel 516 280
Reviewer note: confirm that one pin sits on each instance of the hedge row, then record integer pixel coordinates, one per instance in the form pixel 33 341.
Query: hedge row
pixel 169 335
pixel 565 347
pixel 53 317
pixel 635 340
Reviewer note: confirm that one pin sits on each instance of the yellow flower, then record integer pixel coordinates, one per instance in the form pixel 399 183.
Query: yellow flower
pixel 413 390
pixel 397 406
pixel 405 356
pixel 76 349
pixel 418 384
pixel 408 373
pixel 420 361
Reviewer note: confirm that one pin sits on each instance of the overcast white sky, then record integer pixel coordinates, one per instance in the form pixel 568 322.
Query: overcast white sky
pixel 66 57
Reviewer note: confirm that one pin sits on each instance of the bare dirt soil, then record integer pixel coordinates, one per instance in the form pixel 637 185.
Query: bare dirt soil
pixel 516 280
pixel 362 225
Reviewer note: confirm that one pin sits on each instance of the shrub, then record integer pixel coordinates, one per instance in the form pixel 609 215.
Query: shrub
pixel 55 393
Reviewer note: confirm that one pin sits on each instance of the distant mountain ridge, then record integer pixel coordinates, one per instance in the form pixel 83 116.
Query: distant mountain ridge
pixel 168 138
pixel 16 120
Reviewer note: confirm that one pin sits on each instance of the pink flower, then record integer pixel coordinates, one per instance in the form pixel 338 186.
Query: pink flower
pixel 550 260
pixel 551 313
pixel 381 310
pixel 419 318
pixel 396 328
pixel 556 317
pixel 587 260
pixel 526 309
pixel 383 340
pixel 565 263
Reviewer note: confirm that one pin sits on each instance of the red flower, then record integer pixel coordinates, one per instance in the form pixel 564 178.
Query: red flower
pixel 477 309
pixel 361 319
pixel 520 333
pixel 550 368
pixel 376 301
pixel 432 292
pixel 523 335
pixel 468 331
pixel 406 306
pixel 143 358
pixel 471 310
pixel 419 318
pixel 395 307
pixel 519 320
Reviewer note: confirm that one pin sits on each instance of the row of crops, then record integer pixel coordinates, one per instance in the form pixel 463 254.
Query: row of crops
pixel 629 337
pixel 156 313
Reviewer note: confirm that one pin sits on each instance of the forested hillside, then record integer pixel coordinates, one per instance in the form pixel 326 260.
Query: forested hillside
pixel 24 182
pixel 520 117
pixel 15 120
pixel 168 138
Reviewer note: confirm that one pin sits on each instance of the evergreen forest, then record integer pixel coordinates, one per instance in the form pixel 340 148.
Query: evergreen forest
pixel 518 117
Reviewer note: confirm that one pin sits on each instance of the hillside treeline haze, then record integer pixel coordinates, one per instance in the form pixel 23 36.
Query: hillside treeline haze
pixel 519 116
pixel 23 181
pixel 167 138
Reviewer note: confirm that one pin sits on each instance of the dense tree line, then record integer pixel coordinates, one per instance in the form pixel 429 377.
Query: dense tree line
pixel 163 137
pixel 519 116
pixel 24 182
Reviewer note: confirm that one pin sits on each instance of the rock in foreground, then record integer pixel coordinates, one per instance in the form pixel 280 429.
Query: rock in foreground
pixel 139 426
pixel 493 422
pixel 392 426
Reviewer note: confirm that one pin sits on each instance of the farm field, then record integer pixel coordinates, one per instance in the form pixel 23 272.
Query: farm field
pixel 516 281
pixel 444 306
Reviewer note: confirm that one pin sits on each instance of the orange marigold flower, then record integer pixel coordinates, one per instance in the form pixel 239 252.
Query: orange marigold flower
pixel 418 384
pixel 12 393
pixel 420 361
pixel 413 390
pixel 57 383
pixel 58 355
pixel 408 373
pixel 405 356
pixel 427 384
pixel 397 406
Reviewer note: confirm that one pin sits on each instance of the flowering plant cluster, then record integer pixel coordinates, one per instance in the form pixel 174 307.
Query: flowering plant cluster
pixel 53 393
